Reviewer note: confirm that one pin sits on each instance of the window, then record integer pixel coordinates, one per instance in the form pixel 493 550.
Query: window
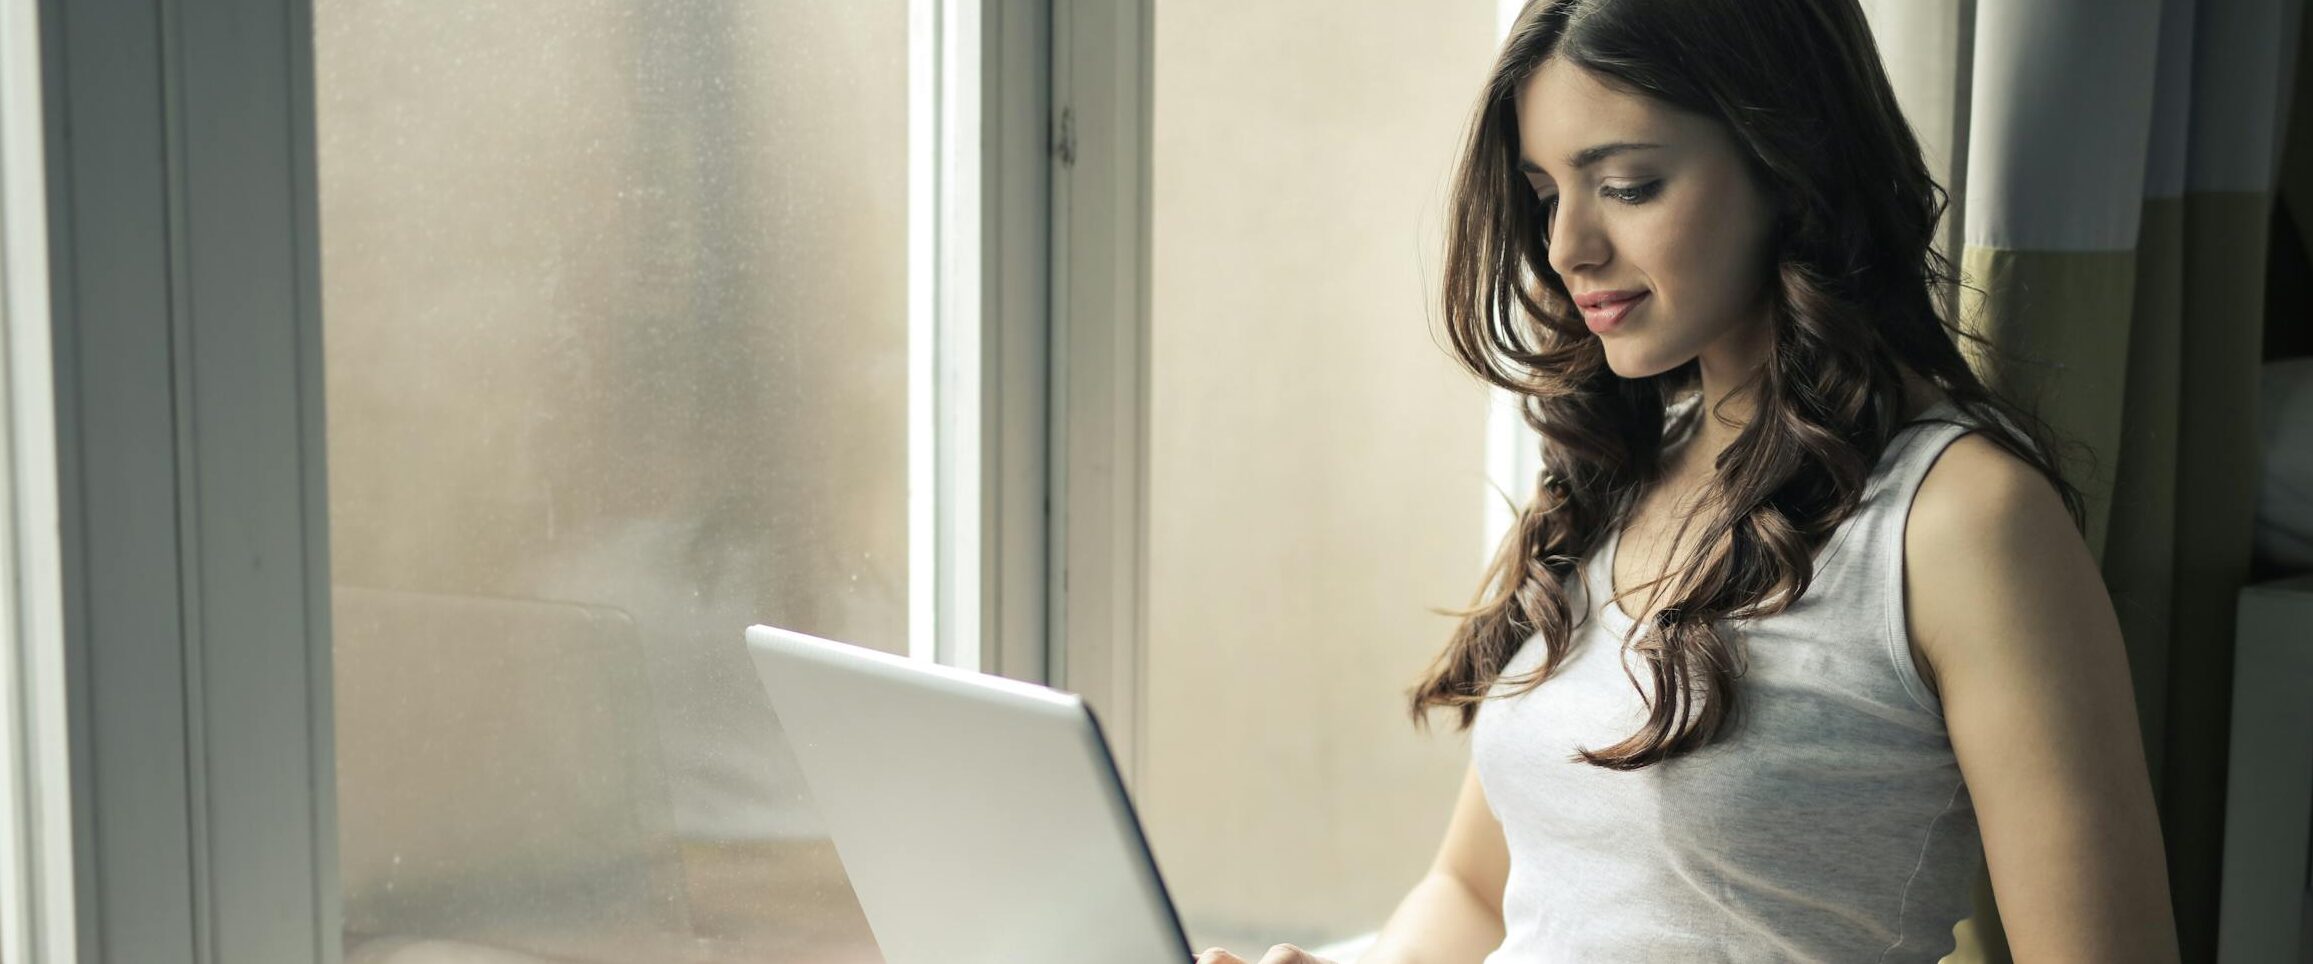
pixel 627 347
pixel 616 296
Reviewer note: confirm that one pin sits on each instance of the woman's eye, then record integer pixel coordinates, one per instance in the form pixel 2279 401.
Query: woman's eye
pixel 1636 194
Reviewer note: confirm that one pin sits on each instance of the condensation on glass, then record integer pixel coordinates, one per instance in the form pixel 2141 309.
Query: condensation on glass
pixel 616 365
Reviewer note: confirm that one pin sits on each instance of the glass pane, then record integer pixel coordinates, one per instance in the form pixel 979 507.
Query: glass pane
pixel 617 364
pixel 1317 461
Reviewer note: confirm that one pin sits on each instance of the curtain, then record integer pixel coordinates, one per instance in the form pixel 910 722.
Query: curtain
pixel 2108 157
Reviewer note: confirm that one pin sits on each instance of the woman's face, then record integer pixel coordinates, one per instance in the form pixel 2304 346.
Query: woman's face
pixel 1650 202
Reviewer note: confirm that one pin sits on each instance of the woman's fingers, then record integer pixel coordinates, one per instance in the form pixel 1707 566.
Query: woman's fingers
pixel 1280 954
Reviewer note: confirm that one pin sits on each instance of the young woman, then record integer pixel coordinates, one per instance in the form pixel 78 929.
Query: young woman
pixel 1799 625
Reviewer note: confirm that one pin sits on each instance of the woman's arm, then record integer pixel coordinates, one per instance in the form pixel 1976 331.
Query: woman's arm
pixel 2011 612
pixel 1439 922
pixel 1454 914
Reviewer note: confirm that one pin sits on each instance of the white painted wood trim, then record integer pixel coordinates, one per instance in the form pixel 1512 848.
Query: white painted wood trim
pixel 186 310
pixel 37 907
pixel 1015 326
pixel 979 331
pixel 1100 316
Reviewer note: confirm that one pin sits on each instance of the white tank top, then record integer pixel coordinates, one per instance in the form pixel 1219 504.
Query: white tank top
pixel 1832 826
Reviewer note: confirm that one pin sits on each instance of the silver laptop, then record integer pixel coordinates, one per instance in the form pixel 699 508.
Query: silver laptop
pixel 980 818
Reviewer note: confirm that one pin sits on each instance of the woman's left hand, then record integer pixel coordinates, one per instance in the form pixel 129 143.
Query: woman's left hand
pixel 1280 954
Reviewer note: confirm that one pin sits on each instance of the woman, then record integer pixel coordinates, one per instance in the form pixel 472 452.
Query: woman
pixel 1799 625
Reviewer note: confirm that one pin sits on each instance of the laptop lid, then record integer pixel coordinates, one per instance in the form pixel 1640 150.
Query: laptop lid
pixel 980 819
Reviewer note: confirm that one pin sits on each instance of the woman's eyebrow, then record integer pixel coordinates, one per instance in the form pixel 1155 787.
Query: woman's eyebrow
pixel 1587 156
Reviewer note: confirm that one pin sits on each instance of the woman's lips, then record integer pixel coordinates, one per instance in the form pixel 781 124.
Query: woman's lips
pixel 1608 315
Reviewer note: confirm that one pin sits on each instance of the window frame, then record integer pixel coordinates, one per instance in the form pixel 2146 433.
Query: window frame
pixel 980 335
pixel 185 318
pixel 1102 110
pixel 37 912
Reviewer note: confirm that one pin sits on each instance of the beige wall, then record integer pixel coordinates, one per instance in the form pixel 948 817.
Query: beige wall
pixel 1317 461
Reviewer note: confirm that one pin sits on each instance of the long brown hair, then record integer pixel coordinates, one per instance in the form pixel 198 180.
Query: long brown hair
pixel 1857 294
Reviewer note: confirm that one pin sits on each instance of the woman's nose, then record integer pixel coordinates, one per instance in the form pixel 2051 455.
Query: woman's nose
pixel 1575 243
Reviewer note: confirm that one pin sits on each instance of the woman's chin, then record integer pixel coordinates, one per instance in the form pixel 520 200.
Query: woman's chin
pixel 1634 361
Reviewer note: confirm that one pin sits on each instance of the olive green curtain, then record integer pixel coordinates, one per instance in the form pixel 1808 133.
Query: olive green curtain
pixel 2113 164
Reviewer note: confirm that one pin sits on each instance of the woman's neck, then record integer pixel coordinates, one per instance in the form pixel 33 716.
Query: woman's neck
pixel 1728 405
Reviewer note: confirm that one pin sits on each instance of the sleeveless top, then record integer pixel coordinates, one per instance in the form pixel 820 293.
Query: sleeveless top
pixel 1831 824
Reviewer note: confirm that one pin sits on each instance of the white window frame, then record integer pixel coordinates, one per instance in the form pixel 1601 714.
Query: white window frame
pixel 37 894
pixel 1101 106
pixel 184 286
pixel 979 337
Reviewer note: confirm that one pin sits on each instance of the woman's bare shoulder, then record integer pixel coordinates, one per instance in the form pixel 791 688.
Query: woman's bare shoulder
pixel 1982 517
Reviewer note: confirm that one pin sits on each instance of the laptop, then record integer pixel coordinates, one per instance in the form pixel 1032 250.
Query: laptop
pixel 980 819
